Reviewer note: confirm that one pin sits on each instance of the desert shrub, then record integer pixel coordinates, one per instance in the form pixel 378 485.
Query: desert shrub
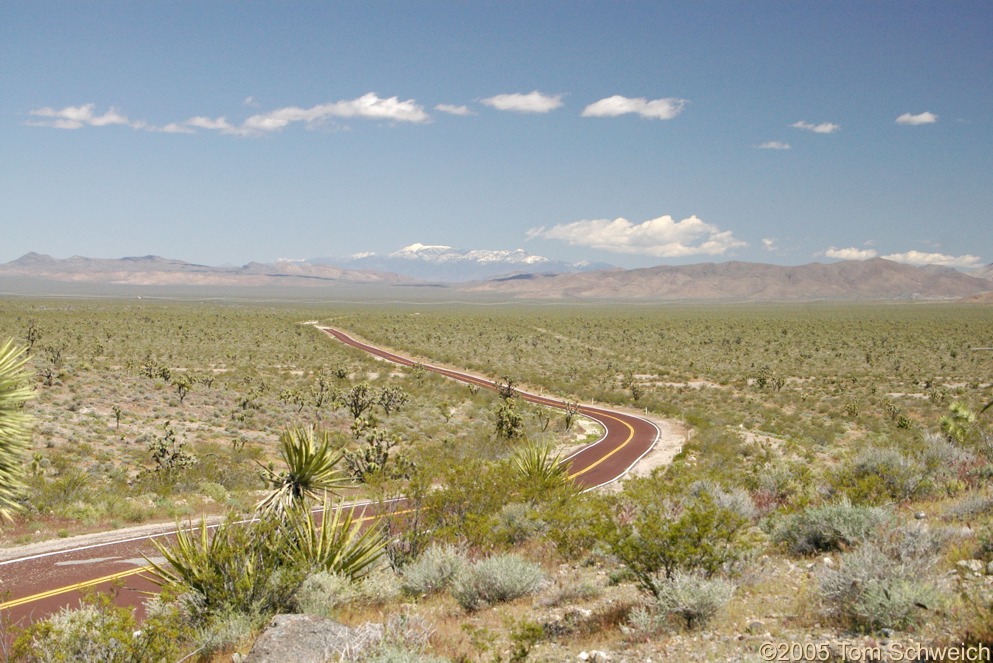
pixel 736 500
pixel 225 632
pixel 968 507
pixel 379 587
pixel 828 527
pixel 322 593
pixel 878 475
pixel 693 598
pixel 433 571
pixel 496 579
pixel 517 523
pixel 654 537
pixel 870 591
pixel 100 631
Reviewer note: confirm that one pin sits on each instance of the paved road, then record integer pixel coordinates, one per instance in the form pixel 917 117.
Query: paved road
pixel 628 437
pixel 35 585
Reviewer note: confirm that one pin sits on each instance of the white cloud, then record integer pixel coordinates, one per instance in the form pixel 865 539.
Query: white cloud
pixel 769 244
pixel 76 117
pixel 774 145
pixel 368 106
pixel 921 258
pixel 851 253
pixel 920 118
pixel 453 110
pixel 662 237
pixel 655 109
pixel 173 128
pixel 533 102
pixel 822 128
pixel 220 124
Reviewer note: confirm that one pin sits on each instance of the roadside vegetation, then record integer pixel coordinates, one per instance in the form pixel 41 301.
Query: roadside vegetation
pixel 834 486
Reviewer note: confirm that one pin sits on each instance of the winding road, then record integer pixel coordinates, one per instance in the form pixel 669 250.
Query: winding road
pixel 37 582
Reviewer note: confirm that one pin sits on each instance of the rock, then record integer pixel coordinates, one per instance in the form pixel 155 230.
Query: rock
pixel 755 626
pixel 920 515
pixel 973 565
pixel 828 562
pixel 989 569
pixel 306 639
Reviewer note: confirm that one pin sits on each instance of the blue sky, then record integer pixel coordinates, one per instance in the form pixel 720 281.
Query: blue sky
pixel 636 133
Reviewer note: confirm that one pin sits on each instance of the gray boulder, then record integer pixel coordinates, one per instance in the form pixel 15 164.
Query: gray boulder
pixel 309 639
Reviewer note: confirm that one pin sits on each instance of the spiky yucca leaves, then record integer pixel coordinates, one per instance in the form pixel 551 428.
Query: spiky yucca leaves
pixel 239 568
pixel 537 464
pixel 15 426
pixel 337 545
pixel 311 471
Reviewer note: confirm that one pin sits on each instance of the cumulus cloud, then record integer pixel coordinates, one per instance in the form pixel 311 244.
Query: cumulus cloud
pixel 921 258
pixel 822 128
pixel 769 243
pixel 920 118
pixel 453 110
pixel 661 238
pixel 532 102
pixel 851 253
pixel 76 117
pixel 774 145
pixel 655 109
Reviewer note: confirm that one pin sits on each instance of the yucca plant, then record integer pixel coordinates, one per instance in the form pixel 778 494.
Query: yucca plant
pixel 240 567
pixel 15 426
pixel 338 544
pixel 311 471
pixel 536 463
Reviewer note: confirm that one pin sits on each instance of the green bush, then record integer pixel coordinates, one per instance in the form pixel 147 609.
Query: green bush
pixel 322 593
pixel 655 538
pixel 496 579
pixel 829 527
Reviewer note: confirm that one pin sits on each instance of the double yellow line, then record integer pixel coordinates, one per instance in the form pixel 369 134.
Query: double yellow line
pixel 70 588
pixel 618 448
pixel 130 572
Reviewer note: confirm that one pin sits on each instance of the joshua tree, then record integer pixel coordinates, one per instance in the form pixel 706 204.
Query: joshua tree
pixel 15 426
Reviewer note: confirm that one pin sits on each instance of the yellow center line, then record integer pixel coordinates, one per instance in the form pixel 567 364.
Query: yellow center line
pixel 619 447
pixel 130 572
pixel 70 588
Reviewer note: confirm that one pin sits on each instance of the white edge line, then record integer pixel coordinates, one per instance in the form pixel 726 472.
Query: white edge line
pixel 148 537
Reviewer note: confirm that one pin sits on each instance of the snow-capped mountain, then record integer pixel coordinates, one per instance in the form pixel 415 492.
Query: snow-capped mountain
pixel 444 263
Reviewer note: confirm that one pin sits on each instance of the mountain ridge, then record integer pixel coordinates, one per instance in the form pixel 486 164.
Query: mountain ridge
pixel 875 279
pixel 446 264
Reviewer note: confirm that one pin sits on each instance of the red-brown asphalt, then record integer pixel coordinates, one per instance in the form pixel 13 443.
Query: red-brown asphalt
pixel 33 587
pixel 627 438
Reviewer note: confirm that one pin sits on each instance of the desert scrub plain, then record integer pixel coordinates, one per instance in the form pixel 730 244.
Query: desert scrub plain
pixel 834 490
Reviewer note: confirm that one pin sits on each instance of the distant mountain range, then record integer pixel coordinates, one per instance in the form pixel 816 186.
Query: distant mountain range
pixel 156 271
pixel 450 265
pixel 530 277
pixel 743 281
